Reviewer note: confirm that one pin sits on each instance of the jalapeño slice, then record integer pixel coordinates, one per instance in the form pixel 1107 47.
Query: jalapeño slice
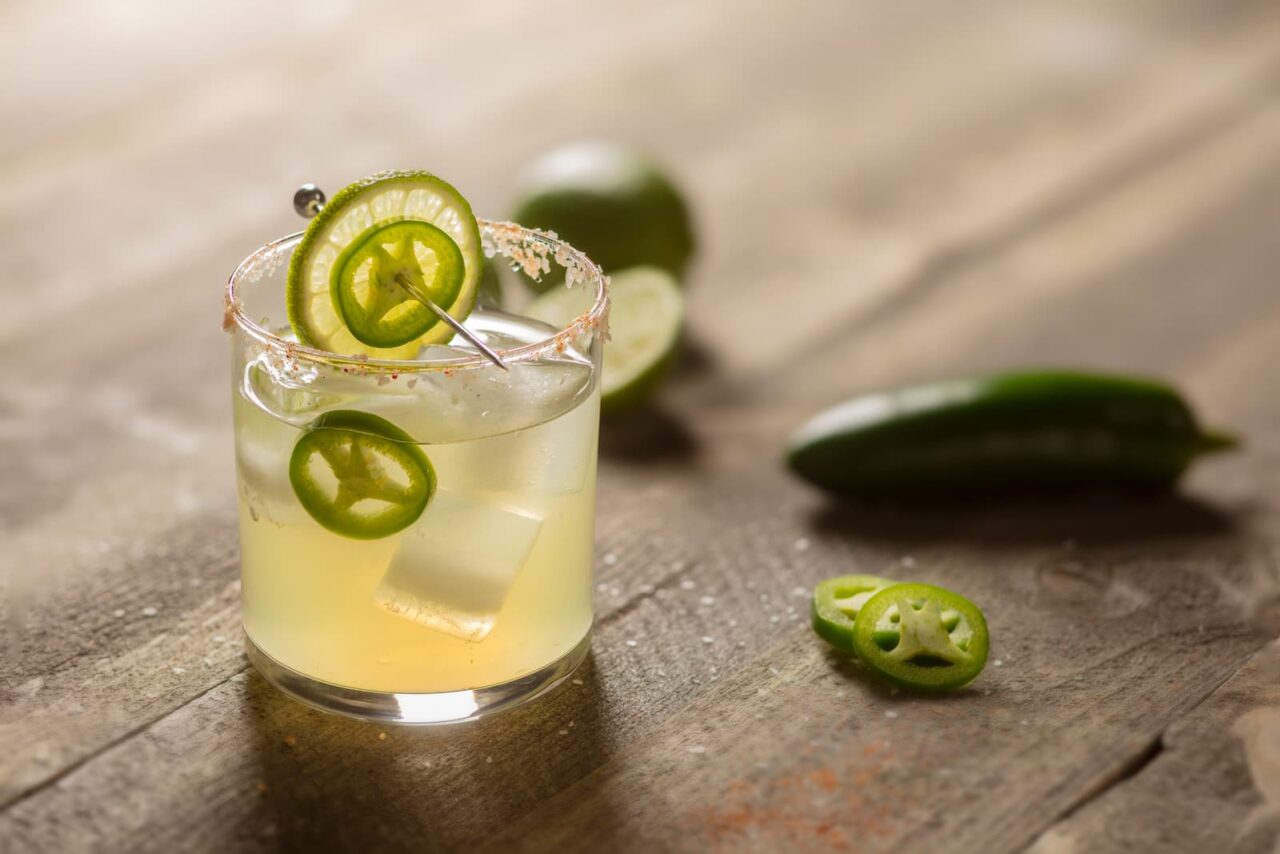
pixel 360 475
pixel 837 601
pixel 921 637
pixel 368 281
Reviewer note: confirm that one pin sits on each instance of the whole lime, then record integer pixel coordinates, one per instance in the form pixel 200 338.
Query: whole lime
pixel 610 201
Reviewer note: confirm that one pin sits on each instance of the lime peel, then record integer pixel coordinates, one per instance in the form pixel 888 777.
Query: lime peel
pixel 379 200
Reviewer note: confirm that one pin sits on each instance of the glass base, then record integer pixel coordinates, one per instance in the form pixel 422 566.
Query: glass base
pixel 444 707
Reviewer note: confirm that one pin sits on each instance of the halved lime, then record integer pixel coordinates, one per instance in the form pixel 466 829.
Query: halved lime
pixel 351 219
pixel 645 313
pixel 359 475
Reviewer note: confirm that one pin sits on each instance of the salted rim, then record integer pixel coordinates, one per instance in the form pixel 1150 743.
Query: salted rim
pixel 532 250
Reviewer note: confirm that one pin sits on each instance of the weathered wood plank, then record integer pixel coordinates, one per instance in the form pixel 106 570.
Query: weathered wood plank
pixel 1213 785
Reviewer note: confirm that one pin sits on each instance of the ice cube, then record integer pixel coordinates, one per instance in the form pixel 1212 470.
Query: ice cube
pixel 455 566
pixel 553 458
pixel 263 447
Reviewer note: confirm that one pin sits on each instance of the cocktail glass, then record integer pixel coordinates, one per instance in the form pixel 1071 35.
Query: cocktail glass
pixel 483 601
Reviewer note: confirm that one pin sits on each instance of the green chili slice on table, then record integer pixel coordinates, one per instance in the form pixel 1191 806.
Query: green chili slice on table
pixel 836 602
pixel 921 637
pixel 359 475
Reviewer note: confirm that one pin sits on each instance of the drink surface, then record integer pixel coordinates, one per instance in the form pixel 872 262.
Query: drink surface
pixel 491 582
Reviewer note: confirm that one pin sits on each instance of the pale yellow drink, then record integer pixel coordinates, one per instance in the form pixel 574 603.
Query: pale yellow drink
pixel 492 582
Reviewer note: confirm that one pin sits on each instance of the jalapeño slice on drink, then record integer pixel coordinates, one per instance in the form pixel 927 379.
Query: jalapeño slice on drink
pixel 360 476
pixel 370 277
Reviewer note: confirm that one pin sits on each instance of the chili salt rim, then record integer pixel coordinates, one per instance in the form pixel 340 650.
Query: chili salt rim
pixel 531 250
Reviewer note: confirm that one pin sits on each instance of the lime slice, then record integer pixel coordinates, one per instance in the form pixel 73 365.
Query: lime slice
pixel 351 219
pixel 610 201
pixel 370 277
pixel 645 313
pixel 360 475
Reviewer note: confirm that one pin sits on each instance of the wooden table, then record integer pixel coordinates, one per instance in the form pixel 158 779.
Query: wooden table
pixel 885 192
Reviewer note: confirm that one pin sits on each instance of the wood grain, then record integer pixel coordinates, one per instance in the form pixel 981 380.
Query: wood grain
pixel 885 193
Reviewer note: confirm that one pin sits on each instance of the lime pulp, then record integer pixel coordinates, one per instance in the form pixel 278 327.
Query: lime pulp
pixel 357 212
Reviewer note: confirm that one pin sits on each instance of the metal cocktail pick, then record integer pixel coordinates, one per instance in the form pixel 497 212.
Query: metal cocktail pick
pixel 309 199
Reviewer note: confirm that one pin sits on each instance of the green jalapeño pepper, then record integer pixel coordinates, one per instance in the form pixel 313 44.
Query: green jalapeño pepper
pixel 360 475
pixel 1007 433
pixel 836 602
pixel 368 281
pixel 921 637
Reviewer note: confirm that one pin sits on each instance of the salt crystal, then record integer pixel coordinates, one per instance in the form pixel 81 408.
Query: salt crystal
pixel 773 671
pixel 733 624
pixel 149 611
pixel 803 544
pixel 890 714
pixel 631 643
pixel 179 670
pixel 601 587
pixel 708 600
pixel 662 674
pixel 571 723
pixel 489 759
pixel 697 748
pixel 799 592
pixel 577 682
pixel 646 589
pixel 615 591
pixel 997 663
pixel 774 619
pixel 564 732
pixel 706 639
pixel 610 559
pixel 687 584
pixel 219 638
pixel 382 736
pixel 118 612
pixel 908 561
